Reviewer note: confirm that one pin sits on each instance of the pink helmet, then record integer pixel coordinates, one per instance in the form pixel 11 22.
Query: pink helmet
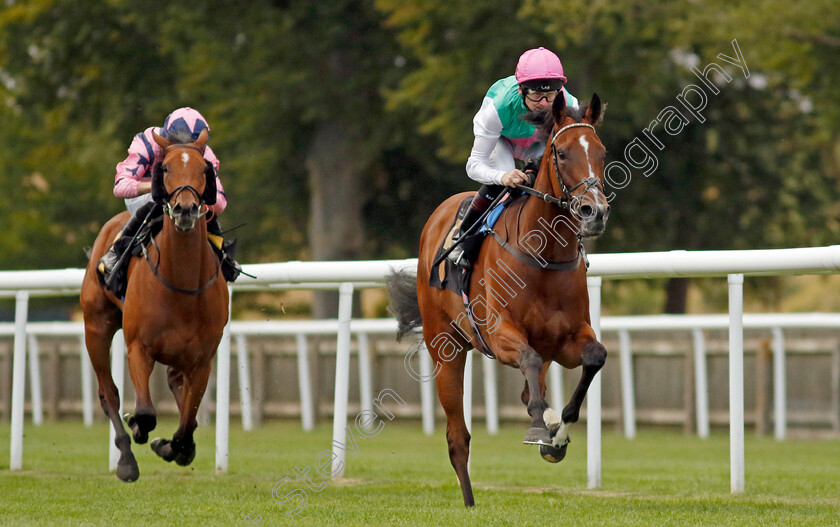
pixel 185 120
pixel 540 70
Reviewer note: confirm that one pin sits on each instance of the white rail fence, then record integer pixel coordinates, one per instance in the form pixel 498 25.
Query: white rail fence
pixel 343 276
pixel 361 329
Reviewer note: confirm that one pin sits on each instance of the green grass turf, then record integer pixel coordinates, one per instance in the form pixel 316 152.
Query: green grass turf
pixel 402 477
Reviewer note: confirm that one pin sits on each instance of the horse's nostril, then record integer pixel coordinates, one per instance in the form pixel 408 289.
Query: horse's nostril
pixel 586 211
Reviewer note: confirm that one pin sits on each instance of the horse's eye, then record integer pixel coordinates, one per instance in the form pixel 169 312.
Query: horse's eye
pixel 561 156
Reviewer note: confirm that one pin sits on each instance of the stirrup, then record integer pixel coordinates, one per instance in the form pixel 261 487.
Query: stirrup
pixel 458 258
pixel 108 262
pixel 230 269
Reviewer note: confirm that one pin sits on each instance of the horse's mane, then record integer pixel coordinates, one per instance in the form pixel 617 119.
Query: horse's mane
pixel 545 121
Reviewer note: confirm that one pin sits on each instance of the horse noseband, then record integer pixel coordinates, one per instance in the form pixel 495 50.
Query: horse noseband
pixel 175 193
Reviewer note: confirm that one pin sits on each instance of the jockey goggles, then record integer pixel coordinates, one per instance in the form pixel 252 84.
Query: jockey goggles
pixel 537 96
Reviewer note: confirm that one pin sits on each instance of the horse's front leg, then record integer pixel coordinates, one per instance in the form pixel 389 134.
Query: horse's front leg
pixel 144 419
pixel 533 396
pixel 591 355
pixel 181 448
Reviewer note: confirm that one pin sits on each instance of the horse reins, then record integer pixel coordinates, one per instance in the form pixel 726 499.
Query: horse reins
pixel 567 199
pixel 173 287
pixel 564 202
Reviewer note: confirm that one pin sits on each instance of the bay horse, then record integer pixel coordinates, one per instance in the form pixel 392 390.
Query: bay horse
pixel 529 284
pixel 174 311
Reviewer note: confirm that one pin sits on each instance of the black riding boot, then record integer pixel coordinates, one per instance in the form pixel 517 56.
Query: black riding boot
pixel 465 252
pixel 225 250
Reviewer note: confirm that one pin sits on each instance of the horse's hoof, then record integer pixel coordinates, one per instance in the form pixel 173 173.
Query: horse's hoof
pixel 128 472
pixel 553 454
pixel 162 448
pixel 537 436
pixel 185 458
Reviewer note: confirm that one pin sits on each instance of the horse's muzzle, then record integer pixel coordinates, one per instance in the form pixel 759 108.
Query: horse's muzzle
pixel 594 218
pixel 184 218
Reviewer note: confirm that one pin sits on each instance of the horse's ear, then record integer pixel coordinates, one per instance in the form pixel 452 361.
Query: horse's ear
pixel 558 108
pixel 159 193
pixel 209 196
pixel 163 143
pixel 595 110
pixel 202 139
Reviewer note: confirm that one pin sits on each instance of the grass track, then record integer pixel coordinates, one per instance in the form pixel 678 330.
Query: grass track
pixel 402 477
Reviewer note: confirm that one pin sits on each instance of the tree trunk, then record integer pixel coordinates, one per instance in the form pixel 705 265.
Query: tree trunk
pixel 676 291
pixel 336 227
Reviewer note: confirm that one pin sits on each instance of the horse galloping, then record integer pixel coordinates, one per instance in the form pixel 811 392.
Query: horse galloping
pixel 174 311
pixel 530 284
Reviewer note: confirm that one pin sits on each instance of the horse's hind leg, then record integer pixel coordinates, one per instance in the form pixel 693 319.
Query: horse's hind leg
pixel 143 420
pixel 450 387
pixel 175 380
pixel 182 446
pixel 98 337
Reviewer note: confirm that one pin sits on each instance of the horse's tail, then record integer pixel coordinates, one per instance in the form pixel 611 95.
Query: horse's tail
pixel 402 288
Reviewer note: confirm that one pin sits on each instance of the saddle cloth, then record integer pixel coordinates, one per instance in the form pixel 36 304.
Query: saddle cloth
pixel 448 275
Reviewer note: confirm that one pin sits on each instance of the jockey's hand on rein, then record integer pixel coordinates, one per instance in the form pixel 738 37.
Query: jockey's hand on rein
pixel 514 177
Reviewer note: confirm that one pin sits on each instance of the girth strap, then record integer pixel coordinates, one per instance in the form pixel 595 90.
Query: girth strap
pixel 482 344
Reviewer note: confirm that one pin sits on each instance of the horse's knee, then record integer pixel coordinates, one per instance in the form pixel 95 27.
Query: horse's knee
pixel 529 360
pixel 594 356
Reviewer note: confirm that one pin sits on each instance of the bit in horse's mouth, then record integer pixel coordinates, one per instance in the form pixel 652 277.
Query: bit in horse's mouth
pixel 184 224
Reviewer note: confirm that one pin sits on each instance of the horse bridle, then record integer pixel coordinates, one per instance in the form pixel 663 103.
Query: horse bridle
pixel 167 206
pixel 564 202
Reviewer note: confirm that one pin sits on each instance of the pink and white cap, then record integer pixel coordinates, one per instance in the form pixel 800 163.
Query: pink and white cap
pixel 540 70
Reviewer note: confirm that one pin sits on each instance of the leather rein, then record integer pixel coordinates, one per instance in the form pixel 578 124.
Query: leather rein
pixel 566 202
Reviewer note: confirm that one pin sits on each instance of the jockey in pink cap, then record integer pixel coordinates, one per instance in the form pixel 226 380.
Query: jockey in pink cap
pixel 133 183
pixel 504 131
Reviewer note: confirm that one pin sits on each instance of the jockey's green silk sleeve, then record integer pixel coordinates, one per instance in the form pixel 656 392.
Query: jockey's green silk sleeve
pixel 499 119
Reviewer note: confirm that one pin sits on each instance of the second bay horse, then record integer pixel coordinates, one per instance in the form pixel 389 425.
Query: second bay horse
pixel 527 290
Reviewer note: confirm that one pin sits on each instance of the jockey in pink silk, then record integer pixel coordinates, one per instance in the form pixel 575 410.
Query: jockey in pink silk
pixel 133 183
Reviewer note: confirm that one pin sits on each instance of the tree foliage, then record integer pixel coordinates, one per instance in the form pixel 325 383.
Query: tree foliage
pixel 398 83
pixel 748 176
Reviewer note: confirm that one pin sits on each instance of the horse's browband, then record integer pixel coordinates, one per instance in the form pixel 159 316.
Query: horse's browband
pixel 185 145
pixel 573 125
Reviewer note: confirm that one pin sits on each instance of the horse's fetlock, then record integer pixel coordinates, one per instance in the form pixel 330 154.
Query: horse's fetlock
pixel 537 408
pixel 571 414
pixel 146 421
pixel 122 442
